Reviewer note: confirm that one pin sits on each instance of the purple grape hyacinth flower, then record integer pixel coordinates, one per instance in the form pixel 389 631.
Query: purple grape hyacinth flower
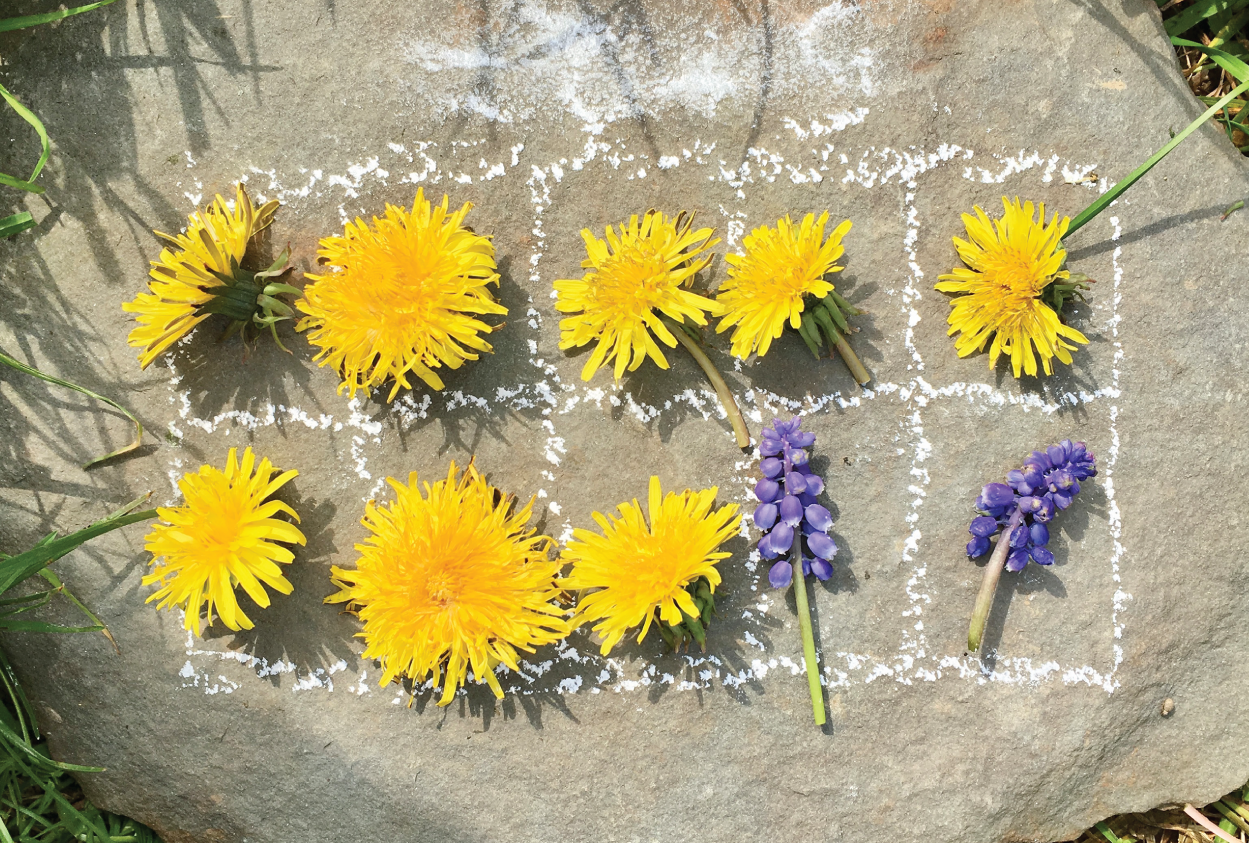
pixel 1048 482
pixel 1021 508
pixel 787 510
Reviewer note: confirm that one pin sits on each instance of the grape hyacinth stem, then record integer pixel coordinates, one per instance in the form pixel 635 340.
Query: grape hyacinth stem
pixel 808 638
pixel 740 432
pixel 852 361
pixel 992 573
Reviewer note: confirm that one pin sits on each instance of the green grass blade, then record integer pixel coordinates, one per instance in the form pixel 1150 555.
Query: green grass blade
pixel 39 598
pixel 31 370
pixel 86 824
pixel 24 565
pixel 38 758
pixel 29 116
pixel 1110 836
pixel 10 24
pixel 57 585
pixel 20 184
pixel 24 712
pixel 1198 12
pixel 1233 65
pixel 1228 30
pixel 1111 195
pixel 16 224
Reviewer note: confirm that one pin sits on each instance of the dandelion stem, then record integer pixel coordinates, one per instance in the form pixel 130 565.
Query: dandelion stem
pixel 808 639
pixel 722 389
pixel 992 573
pixel 852 362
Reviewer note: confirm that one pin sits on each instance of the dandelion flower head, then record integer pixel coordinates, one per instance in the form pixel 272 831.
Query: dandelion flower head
pixel 767 283
pixel 639 570
pixel 1009 263
pixel 401 297
pixel 449 578
pixel 223 536
pixel 200 273
pixel 639 270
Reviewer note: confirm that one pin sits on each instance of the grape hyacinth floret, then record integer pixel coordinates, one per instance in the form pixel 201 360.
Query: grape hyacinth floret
pixel 1021 509
pixel 787 509
pixel 790 517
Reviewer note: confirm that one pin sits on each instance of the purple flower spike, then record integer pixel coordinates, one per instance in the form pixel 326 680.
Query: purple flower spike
pixel 792 521
pixel 781 574
pixel 822 546
pixel 1033 495
pixel 791 510
pixel 1046 484
pixel 819 517
pixel 765 516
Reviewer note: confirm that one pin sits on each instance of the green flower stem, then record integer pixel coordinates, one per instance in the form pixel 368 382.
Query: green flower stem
pixel 992 573
pixel 852 362
pixel 1111 195
pixel 808 639
pixel 722 389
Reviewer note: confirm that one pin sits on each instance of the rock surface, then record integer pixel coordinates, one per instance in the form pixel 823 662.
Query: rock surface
pixel 551 116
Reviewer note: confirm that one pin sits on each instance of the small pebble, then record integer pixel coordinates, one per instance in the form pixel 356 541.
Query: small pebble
pixel 1168 706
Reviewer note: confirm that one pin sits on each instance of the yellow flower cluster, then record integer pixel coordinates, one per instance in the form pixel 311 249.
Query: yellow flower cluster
pixel 403 295
pixel 450 577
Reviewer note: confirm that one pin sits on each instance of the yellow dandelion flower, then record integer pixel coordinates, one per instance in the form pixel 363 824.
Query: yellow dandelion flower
pixel 639 570
pixel 451 578
pixel 1009 263
pixel 767 283
pixel 225 535
pixel 200 273
pixel 637 271
pixel 402 297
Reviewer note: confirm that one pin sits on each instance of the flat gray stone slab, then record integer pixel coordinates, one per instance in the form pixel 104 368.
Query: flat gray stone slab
pixel 554 116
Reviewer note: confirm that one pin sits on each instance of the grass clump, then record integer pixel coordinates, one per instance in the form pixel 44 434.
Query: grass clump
pixel 1211 39
pixel 39 801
